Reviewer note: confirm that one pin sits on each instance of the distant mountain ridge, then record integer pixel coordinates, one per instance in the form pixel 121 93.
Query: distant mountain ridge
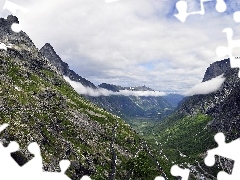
pixel 173 99
pixel 111 87
pixel 115 88
pixel 123 106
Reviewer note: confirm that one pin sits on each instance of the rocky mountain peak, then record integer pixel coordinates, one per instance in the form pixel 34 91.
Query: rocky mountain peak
pixel 140 88
pixel 110 87
pixel 48 45
pixel 217 68
pixel 40 106
pixel 116 88
pixel 48 51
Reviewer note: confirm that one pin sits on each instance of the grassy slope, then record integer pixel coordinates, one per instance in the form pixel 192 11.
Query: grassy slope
pixel 51 121
pixel 183 141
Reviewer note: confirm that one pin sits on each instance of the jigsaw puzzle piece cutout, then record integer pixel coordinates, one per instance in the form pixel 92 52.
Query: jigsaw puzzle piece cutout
pixel 5 125
pixel 35 164
pixel 4 47
pixel 223 51
pixel 14 8
pixel 159 178
pixel 227 150
pixel 85 177
pixel 225 176
pixel 236 16
pixel 221 6
pixel 7 164
pixel 35 167
pixel 182 6
pixel 64 164
pixel 16 27
pixel 177 171
pixel 32 169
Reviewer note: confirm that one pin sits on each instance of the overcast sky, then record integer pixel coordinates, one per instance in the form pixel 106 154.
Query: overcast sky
pixel 131 42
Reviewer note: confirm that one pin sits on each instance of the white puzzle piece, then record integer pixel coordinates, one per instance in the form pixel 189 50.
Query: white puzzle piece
pixel 177 171
pixel 182 7
pixel 14 8
pixel 222 51
pixel 227 150
pixel 32 169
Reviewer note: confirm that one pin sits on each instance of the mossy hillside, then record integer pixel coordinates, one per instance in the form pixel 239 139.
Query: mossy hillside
pixel 183 141
pixel 41 106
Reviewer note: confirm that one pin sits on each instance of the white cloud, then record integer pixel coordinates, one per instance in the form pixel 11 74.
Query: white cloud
pixel 111 1
pixel 78 87
pixel 206 87
pixel 114 42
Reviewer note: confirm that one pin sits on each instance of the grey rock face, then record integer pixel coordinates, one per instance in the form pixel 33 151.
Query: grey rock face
pixel 48 51
pixel 7 23
pixel 123 106
pixel 223 110
pixel 223 105
pixel 110 87
pixel 216 69
pixel 42 107
pixel 133 106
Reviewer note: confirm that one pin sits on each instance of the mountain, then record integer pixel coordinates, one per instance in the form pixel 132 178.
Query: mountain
pixel 42 107
pixel 216 69
pixel 111 87
pixel 127 107
pixel 186 135
pixel 130 107
pixel 63 68
pixel 223 106
pixel 173 98
pixel 116 88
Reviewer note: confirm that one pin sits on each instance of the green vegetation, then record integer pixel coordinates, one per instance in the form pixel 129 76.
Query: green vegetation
pixel 141 124
pixel 41 106
pixel 189 135
pixel 142 167
pixel 181 140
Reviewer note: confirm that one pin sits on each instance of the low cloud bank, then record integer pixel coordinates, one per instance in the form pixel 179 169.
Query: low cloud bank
pixel 104 92
pixel 206 87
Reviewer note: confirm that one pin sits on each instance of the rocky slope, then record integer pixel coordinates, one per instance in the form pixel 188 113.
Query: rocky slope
pixel 173 99
pixel 188 133
pixel 223 105
pixel 127 107
pixel 48 51
pixel 216 69
pixel 42 107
